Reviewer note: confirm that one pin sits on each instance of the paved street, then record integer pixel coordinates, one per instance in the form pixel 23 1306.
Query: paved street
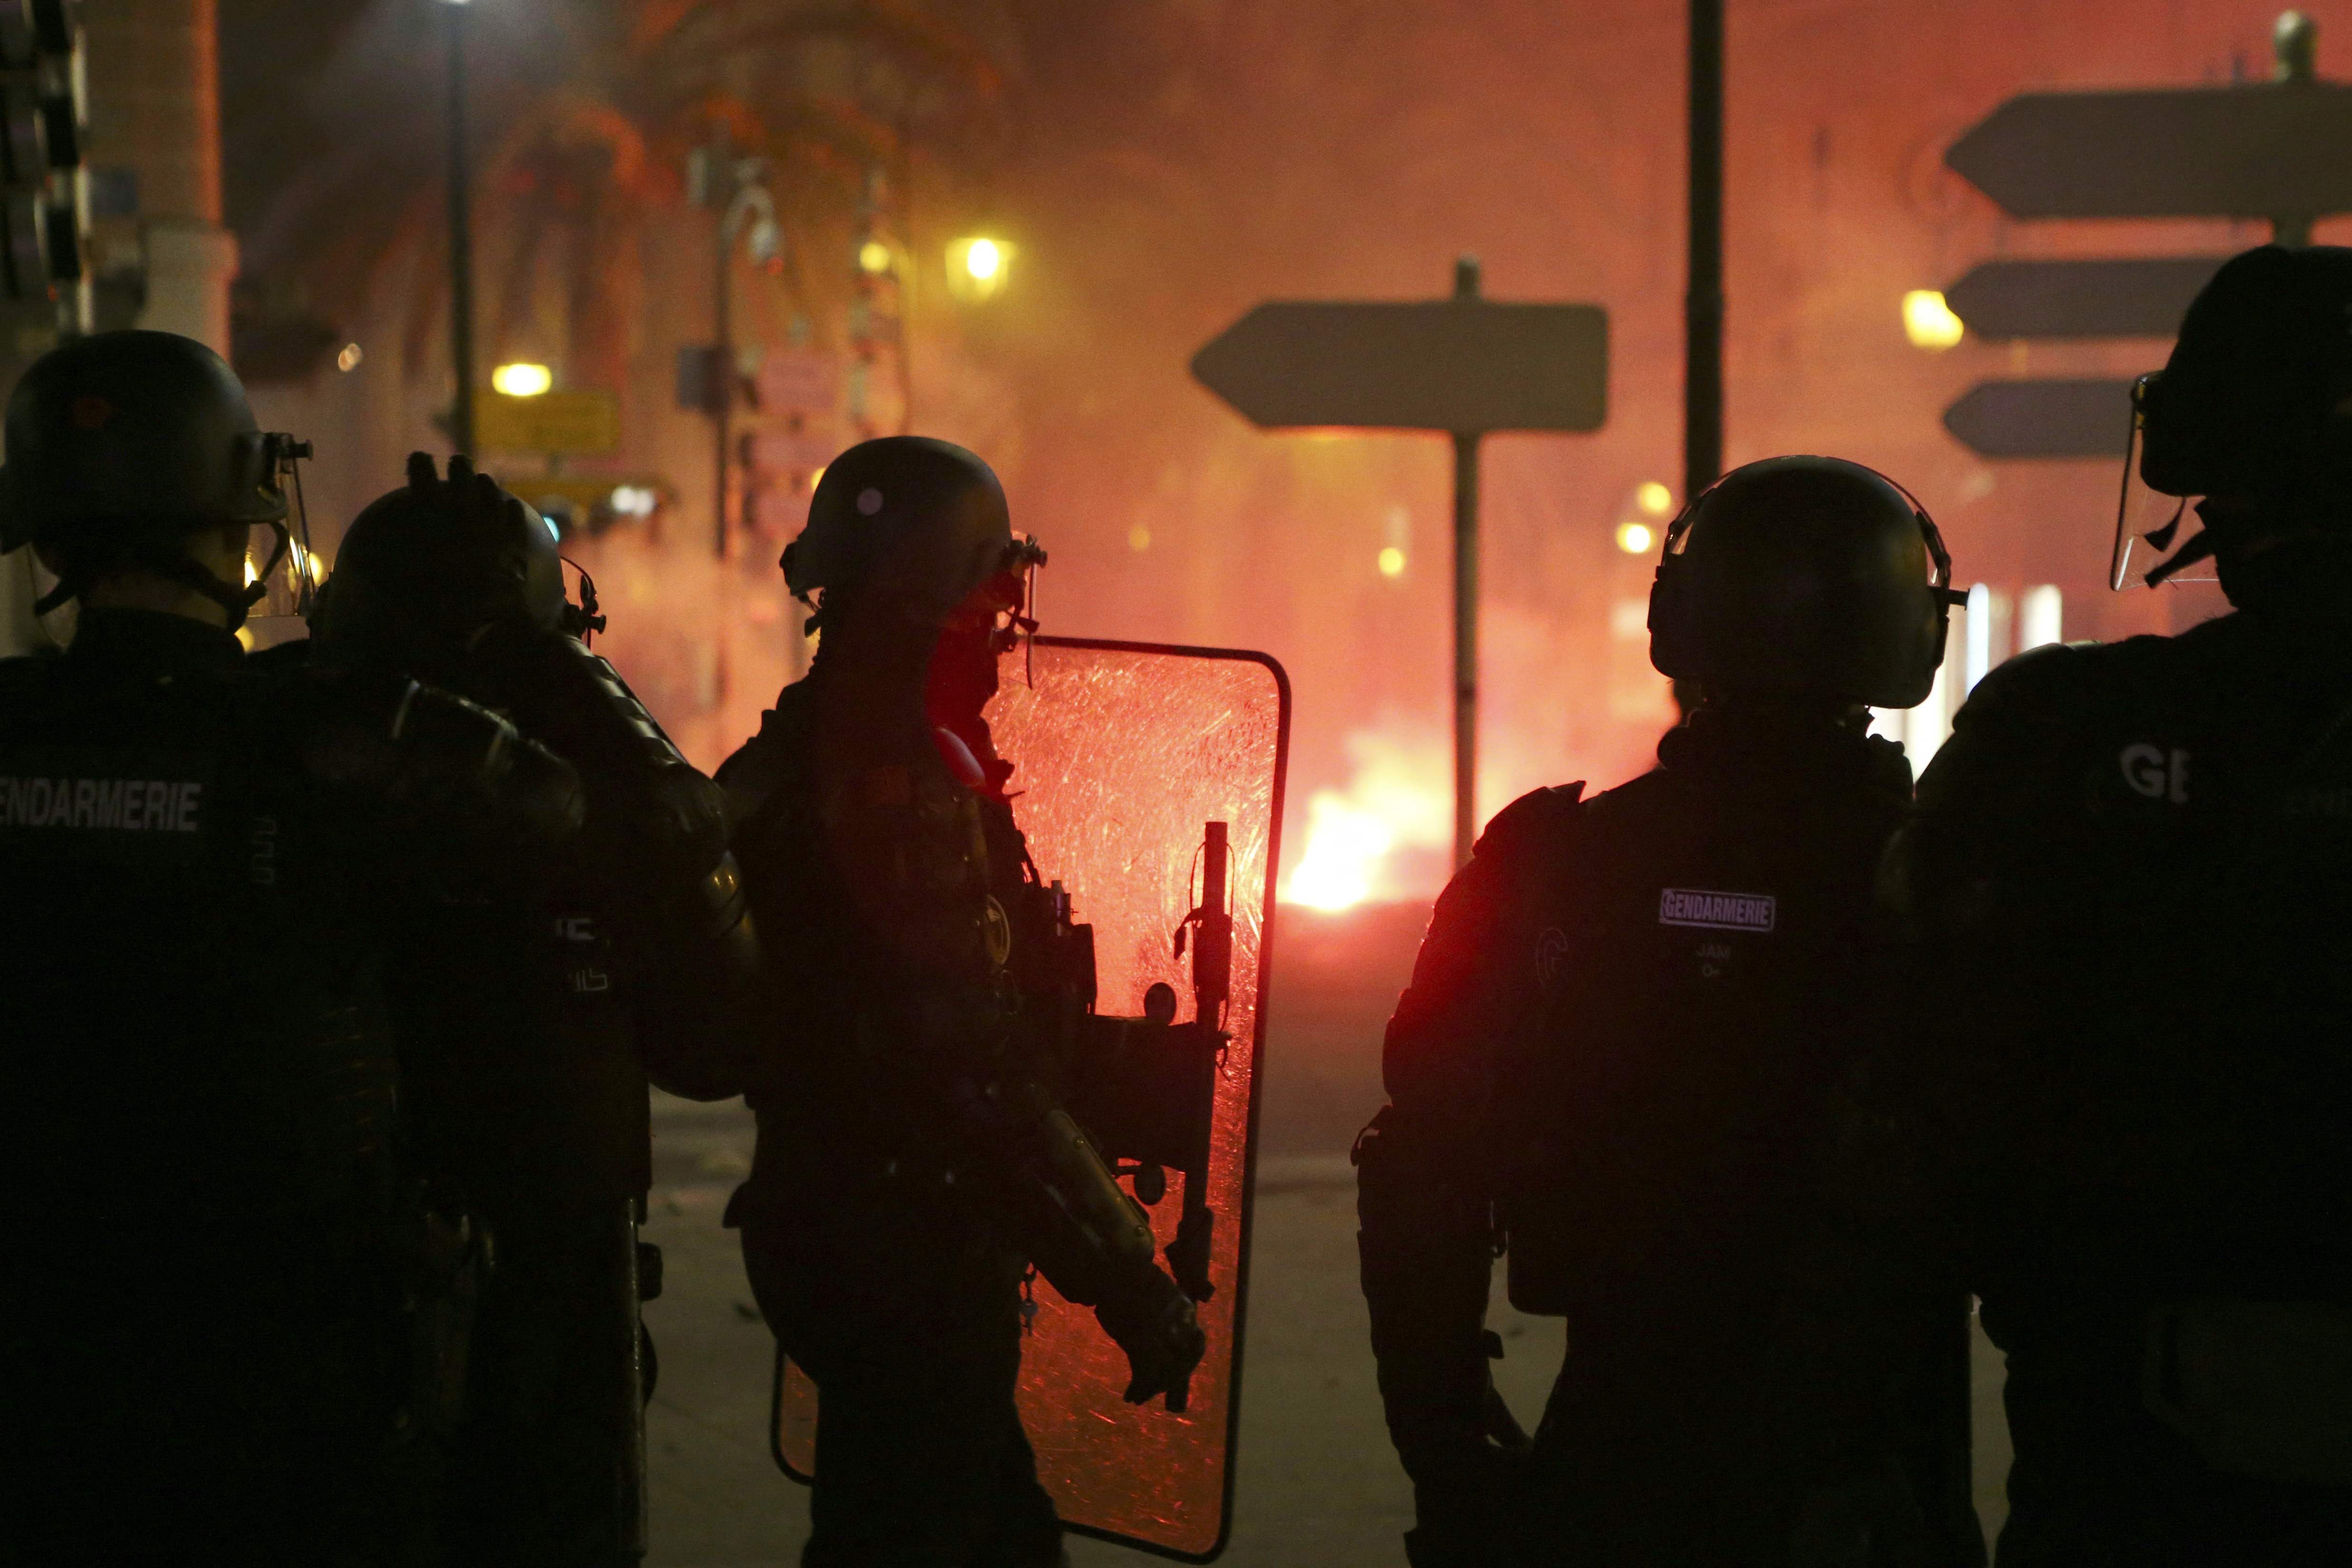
pixel 1319 1488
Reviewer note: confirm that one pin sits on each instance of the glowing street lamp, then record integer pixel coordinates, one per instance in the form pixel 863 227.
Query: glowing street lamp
pixel 1635 538
pixel 521 380
pixel 977 266
pixel 1930 322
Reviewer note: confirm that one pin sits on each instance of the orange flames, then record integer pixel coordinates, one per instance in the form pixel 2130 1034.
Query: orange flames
pixel 1361 841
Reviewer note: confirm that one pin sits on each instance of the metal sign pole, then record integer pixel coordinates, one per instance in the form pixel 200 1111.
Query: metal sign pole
pixel 2294 47
pixel 1465 611
pixel 1465 645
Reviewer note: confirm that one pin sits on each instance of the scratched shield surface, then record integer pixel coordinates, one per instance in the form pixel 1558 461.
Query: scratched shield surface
pixel 1124 754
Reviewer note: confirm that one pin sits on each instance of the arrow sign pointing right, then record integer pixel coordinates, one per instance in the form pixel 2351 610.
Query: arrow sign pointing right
pixel 2268 151
pixel 1468 365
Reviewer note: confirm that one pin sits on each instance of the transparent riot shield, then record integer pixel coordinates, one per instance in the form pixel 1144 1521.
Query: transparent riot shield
pixel 1149 784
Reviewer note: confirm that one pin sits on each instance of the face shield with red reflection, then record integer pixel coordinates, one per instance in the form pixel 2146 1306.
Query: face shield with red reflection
pixel 962 678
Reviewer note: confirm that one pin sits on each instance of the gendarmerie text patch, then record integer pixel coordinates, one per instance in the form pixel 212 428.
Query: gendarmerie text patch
pixel 1717 912
pixel 98 804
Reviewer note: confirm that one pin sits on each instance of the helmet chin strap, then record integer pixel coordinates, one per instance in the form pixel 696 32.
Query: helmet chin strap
pixel 236 601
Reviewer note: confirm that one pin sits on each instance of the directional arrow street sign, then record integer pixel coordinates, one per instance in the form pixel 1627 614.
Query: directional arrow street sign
pixel 1442 364
pixel 2270 151
pixel 1466 366
pixel 2280 150
pixel 2043 418
pixel 2121 299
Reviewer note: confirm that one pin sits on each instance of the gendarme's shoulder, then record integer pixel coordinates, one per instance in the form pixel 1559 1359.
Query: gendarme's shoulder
pixel 1534 818
pixel 2066 683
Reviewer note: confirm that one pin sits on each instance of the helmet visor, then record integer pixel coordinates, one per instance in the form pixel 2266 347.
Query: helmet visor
pixel 2149 524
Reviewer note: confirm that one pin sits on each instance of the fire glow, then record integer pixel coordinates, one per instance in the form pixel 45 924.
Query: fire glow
pixel 1397 804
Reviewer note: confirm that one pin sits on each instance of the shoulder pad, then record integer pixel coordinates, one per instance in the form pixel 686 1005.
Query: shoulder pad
pixel 2055 684
pixel 1537 817
pixel 2065 684
pixel 770 760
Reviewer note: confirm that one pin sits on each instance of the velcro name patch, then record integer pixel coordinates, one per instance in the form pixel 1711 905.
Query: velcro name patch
pixel 1717 912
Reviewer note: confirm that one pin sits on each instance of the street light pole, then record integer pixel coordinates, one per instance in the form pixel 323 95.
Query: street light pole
pixel 722 331
pixel 461 241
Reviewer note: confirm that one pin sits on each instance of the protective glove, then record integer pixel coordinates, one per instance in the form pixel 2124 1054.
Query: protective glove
pixel 1154 1323
pixel 505 579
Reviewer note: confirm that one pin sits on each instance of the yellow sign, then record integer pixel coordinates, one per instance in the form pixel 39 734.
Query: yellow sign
pixel 581 494
pixel 574 424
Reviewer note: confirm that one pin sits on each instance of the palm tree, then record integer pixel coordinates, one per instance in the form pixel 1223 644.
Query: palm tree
pixel 588 110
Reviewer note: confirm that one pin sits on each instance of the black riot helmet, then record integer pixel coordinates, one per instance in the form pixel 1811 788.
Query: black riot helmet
pixel 1811 577
pixel 424 568
pixel 2255 405
pixel 2256 399
pixel 922 522
pixel 122 446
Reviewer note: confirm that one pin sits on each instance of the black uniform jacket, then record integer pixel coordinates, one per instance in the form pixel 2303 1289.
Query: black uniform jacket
pixel 1615 1059
pixel 883 887
pixel 190 953
pixel 2131 881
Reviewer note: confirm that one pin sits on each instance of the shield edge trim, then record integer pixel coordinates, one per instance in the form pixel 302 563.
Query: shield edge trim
pixel 1283 707
pixel 1257 1064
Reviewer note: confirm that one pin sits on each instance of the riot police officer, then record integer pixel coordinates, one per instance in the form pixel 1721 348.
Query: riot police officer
pixel 2124 1129
pixel 1615 1059
pixel 541 1008
pixel 912 1162
pixel 225 1292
